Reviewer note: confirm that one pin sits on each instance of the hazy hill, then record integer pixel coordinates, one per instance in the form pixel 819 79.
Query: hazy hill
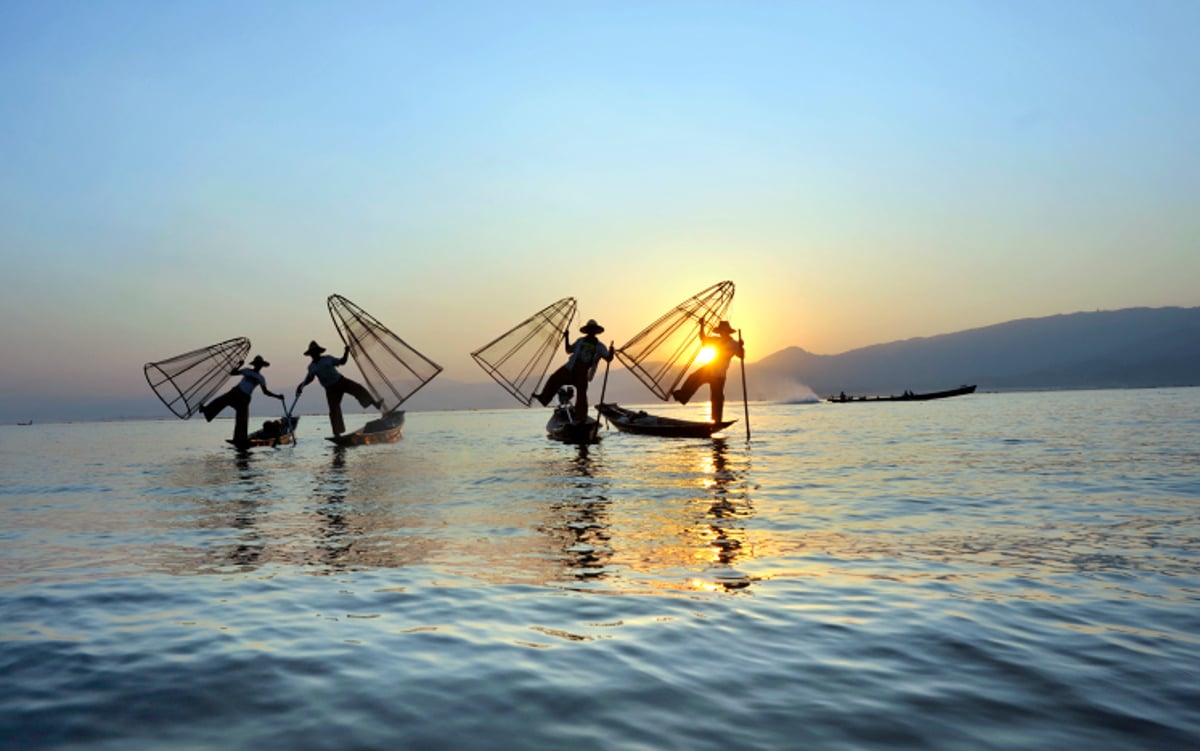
pixel 1134 347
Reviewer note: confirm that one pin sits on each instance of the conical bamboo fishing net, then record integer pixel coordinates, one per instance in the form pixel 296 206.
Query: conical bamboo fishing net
pixel 519 358
pixel 660 354
pixel 392 369
pixel 186 381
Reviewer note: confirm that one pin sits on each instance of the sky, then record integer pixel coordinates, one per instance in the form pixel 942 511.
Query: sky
pixel 177 174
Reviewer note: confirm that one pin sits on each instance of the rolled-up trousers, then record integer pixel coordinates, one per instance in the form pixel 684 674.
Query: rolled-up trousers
pixel 240 401
pixel 333 396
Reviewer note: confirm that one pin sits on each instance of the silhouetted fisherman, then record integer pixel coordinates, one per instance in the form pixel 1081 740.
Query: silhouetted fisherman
pixel 238 397
pixel 586 353
pixel 325 369
pixel 725 348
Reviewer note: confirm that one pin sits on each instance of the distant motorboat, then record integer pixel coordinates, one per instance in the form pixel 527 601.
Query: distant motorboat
pixel 907 396
pixel 28 422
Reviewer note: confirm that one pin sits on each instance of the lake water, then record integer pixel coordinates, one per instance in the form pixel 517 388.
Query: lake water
pixel 995 571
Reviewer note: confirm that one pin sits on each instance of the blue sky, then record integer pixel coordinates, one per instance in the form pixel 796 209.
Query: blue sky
pixel 176 174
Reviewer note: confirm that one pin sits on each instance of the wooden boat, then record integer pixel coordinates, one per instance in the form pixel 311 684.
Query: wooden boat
pixel 642 423
pixel 386 429
pixel 563 427
pixel 273 433
pixel 908 396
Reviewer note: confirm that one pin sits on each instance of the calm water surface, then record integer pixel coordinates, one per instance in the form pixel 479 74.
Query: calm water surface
pixel 997 571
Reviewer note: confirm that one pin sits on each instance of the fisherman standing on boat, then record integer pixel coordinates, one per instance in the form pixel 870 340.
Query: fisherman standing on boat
pixel 724 348
pixel 586 353
pixel 325 369
pixel 238 397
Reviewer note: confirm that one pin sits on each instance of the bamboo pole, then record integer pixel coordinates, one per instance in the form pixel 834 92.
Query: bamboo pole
pixel 745 396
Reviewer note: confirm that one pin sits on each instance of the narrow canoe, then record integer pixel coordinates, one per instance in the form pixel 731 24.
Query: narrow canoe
pixel 561 427
pixel 386 429
pixel 642 423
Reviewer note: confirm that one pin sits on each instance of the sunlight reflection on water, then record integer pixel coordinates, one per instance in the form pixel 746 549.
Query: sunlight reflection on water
pixel 994 571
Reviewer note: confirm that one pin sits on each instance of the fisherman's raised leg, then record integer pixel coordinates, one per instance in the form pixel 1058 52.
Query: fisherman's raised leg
pixel 685 392
pixel 558 379
pixel 359 392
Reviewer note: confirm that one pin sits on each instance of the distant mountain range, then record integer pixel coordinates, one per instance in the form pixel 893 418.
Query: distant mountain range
pixel 1130 348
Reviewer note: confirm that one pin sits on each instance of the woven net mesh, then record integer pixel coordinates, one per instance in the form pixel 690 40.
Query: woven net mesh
pixel 660 354
pixel 392 370
pixel 186 381
pixel 519 358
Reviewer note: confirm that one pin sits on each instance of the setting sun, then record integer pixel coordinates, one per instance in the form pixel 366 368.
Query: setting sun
pixel 705 355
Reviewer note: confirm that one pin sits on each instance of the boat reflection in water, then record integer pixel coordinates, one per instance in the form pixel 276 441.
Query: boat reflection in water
pixel 688 530
pixel 641 515
pixel 684 532
pixel 580 523
pixel 724 523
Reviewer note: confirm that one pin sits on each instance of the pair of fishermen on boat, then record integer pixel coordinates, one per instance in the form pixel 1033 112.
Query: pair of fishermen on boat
pixel 587 351
pixel 324 368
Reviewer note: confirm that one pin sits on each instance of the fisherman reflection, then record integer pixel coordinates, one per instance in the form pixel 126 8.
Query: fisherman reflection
pixel 722 477
pixel 726 533
pixel 582 465
pixel 581 521
pixel 230 507
pixel 335 531
pixel 247 511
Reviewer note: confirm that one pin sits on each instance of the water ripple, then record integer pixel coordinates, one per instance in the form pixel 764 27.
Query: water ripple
pixel 1008 571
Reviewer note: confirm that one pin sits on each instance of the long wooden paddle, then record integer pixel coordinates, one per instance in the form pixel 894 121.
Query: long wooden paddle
pixel 745 397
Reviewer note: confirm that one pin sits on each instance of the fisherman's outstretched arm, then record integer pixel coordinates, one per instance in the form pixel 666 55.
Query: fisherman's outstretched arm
pixel 304 383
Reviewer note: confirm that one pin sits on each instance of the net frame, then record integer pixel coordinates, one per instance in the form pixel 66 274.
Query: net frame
pixel 519 358
pixel 186 381
pixel 661 354
pixel 377 350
